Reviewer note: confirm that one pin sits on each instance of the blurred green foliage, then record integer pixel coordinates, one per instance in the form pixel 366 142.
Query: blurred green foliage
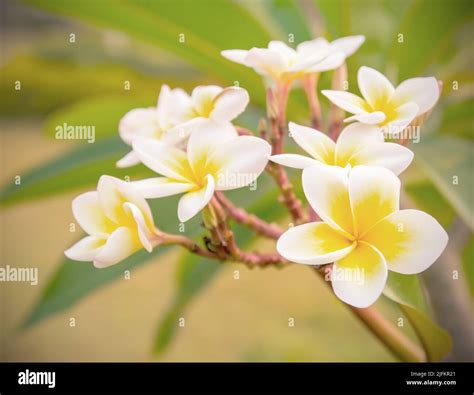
pixel 64 89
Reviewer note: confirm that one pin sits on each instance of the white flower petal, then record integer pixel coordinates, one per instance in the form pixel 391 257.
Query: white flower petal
pixel 330 62
pixel 370 118
pixel 230 103
pixel 374 86
pixel 293 160
pixel 314 243
pixel 207 137
pixel 410 240
pixel 120 245
pixel 374 194
pixel 138 122
pixel 405 114
pixel 346 100
pixel 235 55
pixel 266 61
pixel 163 159
pixel 203 96
pixel 283 49
pixel 355 137
pixel 318 47
pixel 158 187
pixel 422 91
pixel 392 156
pixel 85 249
pixel 239 162
pixel 88 213
pixel 359 278
pixel 130 159
pixel 315 143
pixel 172 106
pixel 113 193
pixel 193 202
pixel 326 189
pixel 348 44
pixel 145 233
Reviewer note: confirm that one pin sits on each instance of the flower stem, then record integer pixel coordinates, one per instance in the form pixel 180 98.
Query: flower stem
pixel 254 222
pixel 336 115
pixel 310 83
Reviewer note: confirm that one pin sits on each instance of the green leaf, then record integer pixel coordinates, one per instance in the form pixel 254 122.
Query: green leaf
pixel 194 273
pixel 75 280
pixel 467 261
pixel 406 290
pixel 77 169
pixel 429 199
pixel 448 162
pixel 428 29
pixel 457 119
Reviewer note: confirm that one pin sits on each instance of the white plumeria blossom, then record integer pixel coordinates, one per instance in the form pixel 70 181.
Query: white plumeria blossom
pixel 364 231
pixel 279 61
pixel 384 105
pixel 212 103
pixel 171 120
pixel 153 122
pixel 118 220
pixel 358 144
pixel 217 158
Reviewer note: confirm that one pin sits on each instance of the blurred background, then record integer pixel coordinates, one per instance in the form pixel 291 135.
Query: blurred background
pixel 89 62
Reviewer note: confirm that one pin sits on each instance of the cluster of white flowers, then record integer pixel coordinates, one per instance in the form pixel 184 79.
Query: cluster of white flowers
pixel 351 184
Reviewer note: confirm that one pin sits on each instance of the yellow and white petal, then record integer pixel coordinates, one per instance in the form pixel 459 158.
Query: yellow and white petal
pixel 315 143
pixel 229 104
pixel 89 214
pixel 374 194
pixel 165 160
pixel 294 160
pixel 207 137
pixel 406 113
pixel 85 249
pixel 314 243
pixel 122 243
pixel 130 159
pixel 369 118
pixel 355 137
pixel 330 62
pixel 410 240
pixel 374 86
pixel 348 44
pixel 239 162
pixel 346 100
pixel 138 122
pixel 146 233
pixel 172 105
pixel 235 55
pixel 326 189
pixel 202 98
pixel 192 202
pixel 266 61
pixel 359 278
pixel 392 156
pixel 158 187
pixel 422 91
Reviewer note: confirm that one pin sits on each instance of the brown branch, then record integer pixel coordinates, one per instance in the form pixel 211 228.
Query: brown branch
pixel 254 222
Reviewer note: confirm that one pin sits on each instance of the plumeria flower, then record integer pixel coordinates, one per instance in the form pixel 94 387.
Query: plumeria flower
pixel 153 122
pixel 281 62
pixel 358 144
pixel 364 233
pixel 172 120
pixel 118 220
pixel 211 103
pixel 217 158
pixel 384 105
